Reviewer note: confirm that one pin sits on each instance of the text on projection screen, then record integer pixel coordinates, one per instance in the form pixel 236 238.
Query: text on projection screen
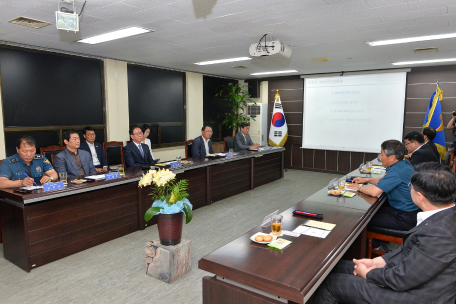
pixel 353 113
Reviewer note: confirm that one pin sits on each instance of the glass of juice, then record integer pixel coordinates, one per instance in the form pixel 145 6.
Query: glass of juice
pixel 276 224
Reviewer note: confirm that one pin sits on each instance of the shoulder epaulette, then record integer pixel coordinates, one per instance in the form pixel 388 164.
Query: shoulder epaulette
pixel 13 160
pixel 38 156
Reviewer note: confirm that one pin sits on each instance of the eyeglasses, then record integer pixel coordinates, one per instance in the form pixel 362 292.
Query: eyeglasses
pixel 138 133
pixel 410 185
pixel 210 132
pixel 409 143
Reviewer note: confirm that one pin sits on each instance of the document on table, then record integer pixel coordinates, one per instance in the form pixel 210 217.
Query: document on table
pixel 96 177
pixel 31 187
pixel 312 231
pixel 315 228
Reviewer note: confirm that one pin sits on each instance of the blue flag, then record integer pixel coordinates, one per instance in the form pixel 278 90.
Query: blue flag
pixel 434 120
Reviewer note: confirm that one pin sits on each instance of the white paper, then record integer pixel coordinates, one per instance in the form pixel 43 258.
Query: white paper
pixel 286 232
pixel 97 177
pixel 312 231
pixel 31 187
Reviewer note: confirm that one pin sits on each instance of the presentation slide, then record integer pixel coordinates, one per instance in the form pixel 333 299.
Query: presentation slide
pixel 353 113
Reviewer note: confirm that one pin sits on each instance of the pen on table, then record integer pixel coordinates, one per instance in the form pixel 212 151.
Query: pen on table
pixel 29 177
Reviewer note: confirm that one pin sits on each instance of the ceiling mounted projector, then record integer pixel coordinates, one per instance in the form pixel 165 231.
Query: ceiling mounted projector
pixel 273 48
pixel 66 17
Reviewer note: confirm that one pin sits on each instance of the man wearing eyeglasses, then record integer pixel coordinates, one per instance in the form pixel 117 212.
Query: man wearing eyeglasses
pixel 136 153
pixel 418 151
pixel 422 269
pixel 202 145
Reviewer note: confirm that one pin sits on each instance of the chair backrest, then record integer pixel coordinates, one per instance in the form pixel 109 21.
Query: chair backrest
pixel 51 150
pixel 228 143
pixel 449 158
pixel 114 152
pixel 188 148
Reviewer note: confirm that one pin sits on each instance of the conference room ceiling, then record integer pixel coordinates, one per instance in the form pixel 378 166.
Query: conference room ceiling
pixel 189 31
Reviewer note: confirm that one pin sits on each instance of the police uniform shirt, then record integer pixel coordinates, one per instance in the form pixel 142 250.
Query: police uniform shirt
pixel 395 185
pixel 13 168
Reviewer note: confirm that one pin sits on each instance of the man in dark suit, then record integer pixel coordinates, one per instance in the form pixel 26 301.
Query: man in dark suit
pixel 429 135
pixel 136 153
pixel 72 160
pixel 242 140
pixel 202 145
pixel 95 149
pixel 422 269
pixel 418 151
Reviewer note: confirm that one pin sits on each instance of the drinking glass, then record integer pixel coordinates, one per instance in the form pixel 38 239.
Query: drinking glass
pixel 121 170
pixel 342 184
pixel 230 150
pixel 276 224
pixel 369 165
pixel 63 176
pixel 178 158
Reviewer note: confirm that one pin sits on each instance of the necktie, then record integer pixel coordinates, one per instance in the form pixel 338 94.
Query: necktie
pixel 141 150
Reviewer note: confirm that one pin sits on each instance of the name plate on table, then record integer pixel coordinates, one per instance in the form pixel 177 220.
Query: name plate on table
pixel 175 164
pixel 53 186
pixel 229 154
pixel 112 175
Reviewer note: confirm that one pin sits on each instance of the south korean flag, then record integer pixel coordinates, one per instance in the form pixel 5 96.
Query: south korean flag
pixel 278 133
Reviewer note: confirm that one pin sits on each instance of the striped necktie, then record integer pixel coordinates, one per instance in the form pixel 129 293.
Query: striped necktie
pixel 141 150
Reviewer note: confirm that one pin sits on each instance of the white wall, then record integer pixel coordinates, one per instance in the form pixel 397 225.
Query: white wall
pixel 116 90
pixel 194 97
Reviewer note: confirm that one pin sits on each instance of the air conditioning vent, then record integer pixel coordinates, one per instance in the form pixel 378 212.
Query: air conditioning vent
pixel 426 50
pixel 33 23
pixel 253 110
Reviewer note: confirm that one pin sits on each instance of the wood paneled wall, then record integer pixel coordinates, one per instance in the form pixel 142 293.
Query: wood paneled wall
pixel 421 83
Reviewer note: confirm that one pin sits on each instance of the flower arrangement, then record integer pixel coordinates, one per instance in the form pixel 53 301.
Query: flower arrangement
pixel 168 196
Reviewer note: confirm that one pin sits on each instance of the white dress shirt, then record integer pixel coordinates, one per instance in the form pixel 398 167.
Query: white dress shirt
pixel 147 142
pixel 422 216
pixel 206 145
pixel 96 161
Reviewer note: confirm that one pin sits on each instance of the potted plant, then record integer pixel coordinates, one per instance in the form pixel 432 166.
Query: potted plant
pixel 170 204
pixel 237 99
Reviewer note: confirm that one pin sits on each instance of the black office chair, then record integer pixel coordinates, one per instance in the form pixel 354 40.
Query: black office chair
pixel 114 152
pixel 48 152
pixel 188 148
pixel 382 234
pixel 228 143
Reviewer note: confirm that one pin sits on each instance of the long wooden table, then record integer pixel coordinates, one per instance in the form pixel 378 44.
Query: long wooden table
pixel 247 272
pixel 41 227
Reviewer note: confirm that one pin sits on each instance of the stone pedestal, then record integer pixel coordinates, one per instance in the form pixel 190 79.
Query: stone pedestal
pixel 168 263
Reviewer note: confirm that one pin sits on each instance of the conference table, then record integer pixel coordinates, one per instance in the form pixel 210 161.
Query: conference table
pixel 249 272
pixel 41 227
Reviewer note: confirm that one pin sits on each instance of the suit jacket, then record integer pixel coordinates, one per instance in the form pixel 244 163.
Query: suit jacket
pixel 63 162
pixel 198 147
pixel 434 148
pixel 423 268
pixel 99 149
pixel 134 158
pixel 423 154
pixel 240 143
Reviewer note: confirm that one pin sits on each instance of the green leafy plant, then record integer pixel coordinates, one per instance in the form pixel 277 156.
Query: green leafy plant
pixel 236 99
pixel 169 196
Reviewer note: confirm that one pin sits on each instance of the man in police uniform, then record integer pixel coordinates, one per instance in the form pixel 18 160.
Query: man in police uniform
pixel 399 212
pixel 15 169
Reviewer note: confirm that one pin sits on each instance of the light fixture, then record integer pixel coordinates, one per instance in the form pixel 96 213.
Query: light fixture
pixel 127 32
pixel 423 61
pixel 223 60
pixel 277 72
pixel 411 39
